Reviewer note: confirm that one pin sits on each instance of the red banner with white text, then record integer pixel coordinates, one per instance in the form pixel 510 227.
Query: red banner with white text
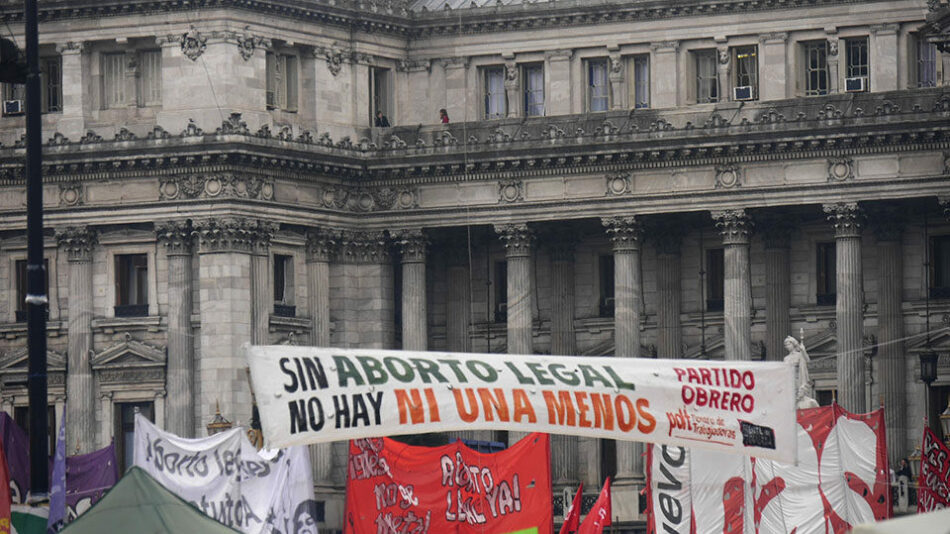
pixel 397 488
pixel 933 490
pixel 840 480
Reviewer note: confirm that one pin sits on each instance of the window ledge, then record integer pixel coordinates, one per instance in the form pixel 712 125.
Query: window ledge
pixel 111 325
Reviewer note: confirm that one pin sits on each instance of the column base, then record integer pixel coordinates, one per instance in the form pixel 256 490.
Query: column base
pixel 333 507
pixel 625 499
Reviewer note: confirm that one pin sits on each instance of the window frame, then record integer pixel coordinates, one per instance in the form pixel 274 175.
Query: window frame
pixel 20 288
pixel 146 91
pixel 381 93
pixel 528 89
pixel 820 49
pixel 707 88
pixel 499 291
pixel 920 46
pixel 752 77
pixel 119 426
pixel 135 271
pixel 857 48
pixel 282 81
pixel 638 83
pixel 490 97
pixel 284 285
pixel 597 93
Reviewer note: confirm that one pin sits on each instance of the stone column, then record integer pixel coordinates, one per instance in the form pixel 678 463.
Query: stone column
pixel 78 243
pixel 319 251
pixel 368 300
pixel 669 279
pixel 891 368
pixel 513 88
pixel 458 309
pixel 565 457
pixel 262 291
pixel 517 239
pixel 180 370
pixel 777 290
pixel 625 233
pixel 849 311
pixel 615 78
pixel 736 228
pixel 412 246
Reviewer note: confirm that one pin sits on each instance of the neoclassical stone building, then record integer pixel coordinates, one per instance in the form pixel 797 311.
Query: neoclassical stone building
pixel 689 179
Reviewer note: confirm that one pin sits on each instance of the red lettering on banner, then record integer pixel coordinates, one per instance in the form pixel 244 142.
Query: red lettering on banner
pixel 561 406
pixel 492 404
pixel 467 415
pixel 647 422
pixel 582 409
pixel 523 407
pixel 603 411
pixel 731 401
pixel 628 422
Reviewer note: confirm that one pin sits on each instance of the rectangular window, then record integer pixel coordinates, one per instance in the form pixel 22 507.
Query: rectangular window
pixel 21 288
pixel 113 80
pixel 816 68
pixel 281 81
pixel 827 286
pixel 926 64
pixel 940 267
pixel 825 396
pixel 638 86
pixel 747 73
pixel 606 270
pixel 715 279
pixel 597 91
pixel 494 91
pixel 284 286
pixel 131 285
pixel 380 82
pixel 857 57
pixel 52 84
pixel 21 416
pixel 150 77
pixel 707 79
pixel 533 76
pixel 124 428
pixel 501 292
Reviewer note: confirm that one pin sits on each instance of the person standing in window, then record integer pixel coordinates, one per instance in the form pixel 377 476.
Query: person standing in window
pixel 381 120
pixel 444 116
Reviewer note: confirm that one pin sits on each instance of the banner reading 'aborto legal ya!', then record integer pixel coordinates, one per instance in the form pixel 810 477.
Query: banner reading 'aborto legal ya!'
pixel 312 395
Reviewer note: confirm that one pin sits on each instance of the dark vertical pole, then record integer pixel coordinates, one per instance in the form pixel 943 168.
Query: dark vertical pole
pixel 36 299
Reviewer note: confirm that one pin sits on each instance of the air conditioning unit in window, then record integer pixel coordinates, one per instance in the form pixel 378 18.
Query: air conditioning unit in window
pixel 857 84
pixel 12 107
pixel 743 92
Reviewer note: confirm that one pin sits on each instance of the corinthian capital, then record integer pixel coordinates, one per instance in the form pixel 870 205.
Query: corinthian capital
pixel 363 247
pixel 412 245
pixel 321 244
pixel 847 218
pixel 78 242
pixel 624 232
pixel 517 238
pixel 177 236
pixel 735 226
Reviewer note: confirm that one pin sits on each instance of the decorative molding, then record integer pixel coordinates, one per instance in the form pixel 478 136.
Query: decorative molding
pixel 618 183
pixel 234 234
pixel 846 217
pixel 946 163
pixel 728 177
pixel 334 58
pixel 517 238
pixel 665 46
pixel 193 44
pixel 246 44
pixel 734 225
pixel 412 245
pixel 71 194
pixel 840 169
pixel 321 245
pixel 176 236
pixel 215 185
pixel 510 191
pixel 363 247
pixel 78 242
pixel 413 65
pixel 624 232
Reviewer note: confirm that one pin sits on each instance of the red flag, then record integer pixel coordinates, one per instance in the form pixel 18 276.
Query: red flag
pixel 934 473
pixel 5 497
pixel 599 515
pixel 573 515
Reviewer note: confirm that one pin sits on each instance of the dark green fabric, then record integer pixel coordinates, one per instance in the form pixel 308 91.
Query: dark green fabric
pixel 140 504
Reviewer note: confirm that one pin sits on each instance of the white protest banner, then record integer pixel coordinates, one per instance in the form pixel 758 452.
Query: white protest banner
pixel 311 395
pixel 224 476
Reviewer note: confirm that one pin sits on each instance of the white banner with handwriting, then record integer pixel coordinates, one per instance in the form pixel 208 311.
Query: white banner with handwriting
pixel 312 395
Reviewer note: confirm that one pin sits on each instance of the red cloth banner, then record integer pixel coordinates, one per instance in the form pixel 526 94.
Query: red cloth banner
pixel 401 489
pixel 5 496
pixel 599 515
pixel 573 516
pixel 933 490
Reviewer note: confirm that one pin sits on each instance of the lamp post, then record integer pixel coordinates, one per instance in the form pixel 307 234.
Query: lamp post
pixel 928 373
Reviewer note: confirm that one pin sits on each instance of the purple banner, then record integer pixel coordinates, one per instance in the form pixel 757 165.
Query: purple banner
pixel 88 476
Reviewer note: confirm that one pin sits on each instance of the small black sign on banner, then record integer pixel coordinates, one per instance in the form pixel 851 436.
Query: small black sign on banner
pixel 757 436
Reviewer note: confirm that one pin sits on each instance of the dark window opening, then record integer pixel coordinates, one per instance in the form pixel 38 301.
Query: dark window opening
pixel 284 286
pixel 606 301
pixel 131 285
pixel 21 416
pixel 501 292
pixel 715 279
pixel 826 272
pixel 940 267
pixel 125 430
pixel 21 288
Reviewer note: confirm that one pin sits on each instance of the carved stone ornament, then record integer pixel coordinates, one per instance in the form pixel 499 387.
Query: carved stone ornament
pixel 846 217
pixel 832 47
pixel 334 58
pixel 840 169
pixel 193 44
pixel 321 244
pixel 242 185
pixel 623 232
pixel 510 191
pixel 247 44
pixel 946 163
pixel 735 226
pixel 412 245
pixel 618 183
pixel 517 238
pixel 70 194
pixel 78 242
pixel 728 176
pixel 233 234
pixel 177 236
pixel 363 247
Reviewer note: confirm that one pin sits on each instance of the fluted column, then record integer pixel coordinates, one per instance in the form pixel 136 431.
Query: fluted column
pixel 319 251
pixel 565 457
pixel 736 229
pixel 262 292
pixel 458 308
pixel 849 314
pixel 891 368
pixel 176 236
pixel 412 246
pixel 777 289
pixel 517 239
pixel 369 312
pixel 668 281
pixel 79 242
pixel 625 234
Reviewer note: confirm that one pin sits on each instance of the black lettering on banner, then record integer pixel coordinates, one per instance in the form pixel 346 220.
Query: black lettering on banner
pixel 670 505
pixel 756 435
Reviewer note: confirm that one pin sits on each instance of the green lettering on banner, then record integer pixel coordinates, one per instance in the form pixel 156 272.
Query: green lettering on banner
pixel 345 370
pixel 532 530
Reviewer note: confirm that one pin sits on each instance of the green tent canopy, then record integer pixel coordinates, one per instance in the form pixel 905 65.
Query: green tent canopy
pixel 143 505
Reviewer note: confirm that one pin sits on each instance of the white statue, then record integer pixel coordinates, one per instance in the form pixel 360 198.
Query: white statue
pixel 799 357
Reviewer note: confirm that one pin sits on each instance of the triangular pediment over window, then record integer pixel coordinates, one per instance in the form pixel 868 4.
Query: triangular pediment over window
pixel 939 342
pixel 17 360
pixel 129 354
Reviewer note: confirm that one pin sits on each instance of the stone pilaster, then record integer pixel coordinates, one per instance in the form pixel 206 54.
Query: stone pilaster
pixel 458 309
pixel 412 247
pixel 777 289
pixel 320 244
pixel 615 78
pixel 224 272
pixel 847 219
pixel 736 229
pixel 78 243
pixel 177 238
pixel 518 239
pixel 724 68
pixel 262 292
pixel 565 456
pixel 369 314
pixel 513 88
pixel 669 331
pixel 891 368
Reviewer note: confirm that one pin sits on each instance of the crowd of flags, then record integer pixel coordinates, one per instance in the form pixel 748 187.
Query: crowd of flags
pixel 597 518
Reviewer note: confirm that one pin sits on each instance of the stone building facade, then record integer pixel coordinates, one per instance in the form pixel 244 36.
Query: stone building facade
pixel 688 179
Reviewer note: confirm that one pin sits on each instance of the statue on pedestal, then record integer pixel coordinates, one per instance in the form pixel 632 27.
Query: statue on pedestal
pixel 798 356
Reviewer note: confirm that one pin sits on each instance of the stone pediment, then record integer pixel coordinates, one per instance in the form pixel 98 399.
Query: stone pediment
pixel 716 350
pixel 129 354
pixel 822 344
pixel 939 341
pixel 17 361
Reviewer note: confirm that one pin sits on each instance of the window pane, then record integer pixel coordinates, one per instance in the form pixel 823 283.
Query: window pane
pixel 926 64
pixel 290 76
pixel 816 69
pixel 113 80
pixel 715 278
pixel 827 282
pixel 747 64
pixel 271 67
pixel 641 74
pixel 52 85
pixel 150 86
pixel 857 50
pixel 606 303
pixel 534 90
pixel 501 291
pixel 597 85
pixel 941 262
pixel 131 271
pixel 495 98
pixel 707 81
